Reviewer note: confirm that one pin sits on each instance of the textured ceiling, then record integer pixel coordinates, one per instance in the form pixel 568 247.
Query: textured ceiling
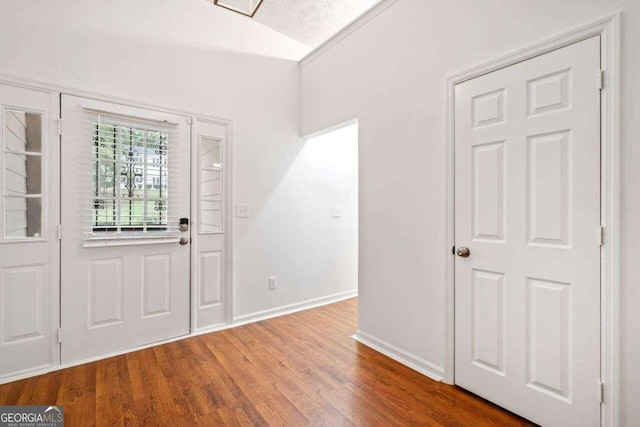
pixel 311 22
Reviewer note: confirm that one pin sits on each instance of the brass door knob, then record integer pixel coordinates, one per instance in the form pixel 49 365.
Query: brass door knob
pixel 463 252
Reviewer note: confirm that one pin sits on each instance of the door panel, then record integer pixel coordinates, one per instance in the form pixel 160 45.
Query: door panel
pixel 105 292
pixel 549 329
pixel 488 189
pixel 548 188
pixel 156 272
pixel 210 279
pixel 527 197
pixel 29 247
pixel 125 277
pixel 23 303
pixel 488 320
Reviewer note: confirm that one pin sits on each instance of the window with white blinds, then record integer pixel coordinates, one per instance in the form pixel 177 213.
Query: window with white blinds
pixel 131 172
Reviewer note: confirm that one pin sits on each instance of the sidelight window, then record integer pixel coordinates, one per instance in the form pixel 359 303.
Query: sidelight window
pixel 211 192
pixel 22 173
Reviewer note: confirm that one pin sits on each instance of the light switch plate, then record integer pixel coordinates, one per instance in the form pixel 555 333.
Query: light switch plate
pixel 273 282
pixel 337 211
pixel 242 210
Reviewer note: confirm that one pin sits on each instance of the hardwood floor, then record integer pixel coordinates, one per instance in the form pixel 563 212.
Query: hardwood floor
pixel 301 369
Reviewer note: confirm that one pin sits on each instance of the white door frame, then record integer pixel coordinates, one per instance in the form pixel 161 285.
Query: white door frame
pixel 34 84
pixel 609 31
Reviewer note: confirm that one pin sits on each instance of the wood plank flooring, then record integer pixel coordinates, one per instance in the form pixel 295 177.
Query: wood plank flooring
pixel 301 369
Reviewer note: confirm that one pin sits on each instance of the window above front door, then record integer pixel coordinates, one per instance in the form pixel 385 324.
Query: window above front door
pixel 131 177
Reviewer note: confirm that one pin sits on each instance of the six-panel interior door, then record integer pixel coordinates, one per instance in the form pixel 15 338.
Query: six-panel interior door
pixel 125 181
pixel 29 247
pixel 527 203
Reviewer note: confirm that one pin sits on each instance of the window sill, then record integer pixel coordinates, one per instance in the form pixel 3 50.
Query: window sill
pixel 101 242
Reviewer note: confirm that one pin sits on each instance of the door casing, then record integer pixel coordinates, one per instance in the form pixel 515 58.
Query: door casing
pixel 609 30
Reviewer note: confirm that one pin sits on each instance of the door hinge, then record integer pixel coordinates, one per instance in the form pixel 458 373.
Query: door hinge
pixel 59 127
pixel 453 249
pixel 600 79
pixel 59 335
pixel 600 392
pixel 59 231
pixel 600 235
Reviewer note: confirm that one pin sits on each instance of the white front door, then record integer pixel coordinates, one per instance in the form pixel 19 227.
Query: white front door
pixel 126 187
pixel 527 203
pixel 29 247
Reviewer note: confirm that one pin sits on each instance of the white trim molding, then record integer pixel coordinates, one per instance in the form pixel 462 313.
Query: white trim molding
pixel 358 22
pixel 410 360
pixel 293 308
pixel 609 30
pixel 44 86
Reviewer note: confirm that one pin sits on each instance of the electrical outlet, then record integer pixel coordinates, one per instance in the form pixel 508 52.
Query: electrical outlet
pixel 337 211
pixel 242 210
pixel 273 282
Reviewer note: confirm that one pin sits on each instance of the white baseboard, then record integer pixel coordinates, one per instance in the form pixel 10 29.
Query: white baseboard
pixel 32 372
pixel 293 308
pixel 414 362
pixel 238 321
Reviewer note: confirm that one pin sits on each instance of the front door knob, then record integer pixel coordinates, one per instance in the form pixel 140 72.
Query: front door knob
pixel 463 252
pixel 184 241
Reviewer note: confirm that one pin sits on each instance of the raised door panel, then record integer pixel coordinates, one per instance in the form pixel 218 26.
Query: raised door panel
pixel 22 303
pixel 488 188
pixel 549 93
pixel 156 285
pixel 488 321
pixel 105 292
pixel 549 186
pixel 489 108
pixel 549 338
pixel 210 279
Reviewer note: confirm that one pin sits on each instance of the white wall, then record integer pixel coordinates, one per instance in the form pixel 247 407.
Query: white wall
pixel 187 23
pixel 391 74
pixel 296 237
pixel 191 55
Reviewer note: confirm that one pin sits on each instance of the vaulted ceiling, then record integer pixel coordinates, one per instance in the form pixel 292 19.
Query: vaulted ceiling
pixel 310 22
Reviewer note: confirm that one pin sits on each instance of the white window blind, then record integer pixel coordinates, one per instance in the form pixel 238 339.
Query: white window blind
pixel 131 164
